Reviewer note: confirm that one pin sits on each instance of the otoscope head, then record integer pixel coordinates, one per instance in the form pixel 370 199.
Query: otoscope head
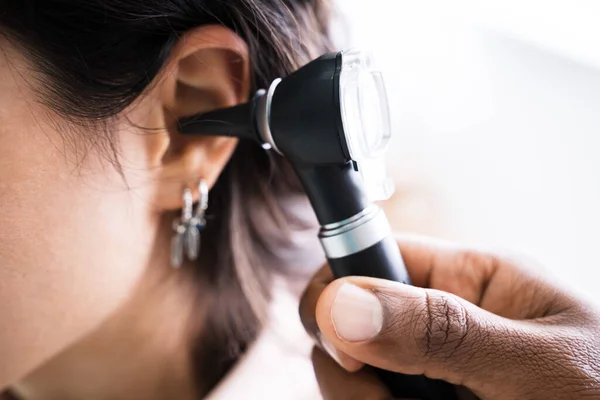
pixel 331 112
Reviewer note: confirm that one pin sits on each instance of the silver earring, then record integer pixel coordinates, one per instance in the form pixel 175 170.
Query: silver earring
pixel 186 240
pixel 180 226
pixel 197 223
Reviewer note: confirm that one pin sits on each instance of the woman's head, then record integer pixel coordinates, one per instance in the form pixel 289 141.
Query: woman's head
pixel 91 161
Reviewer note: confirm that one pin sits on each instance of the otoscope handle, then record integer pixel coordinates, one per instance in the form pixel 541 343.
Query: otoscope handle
pixel 383 260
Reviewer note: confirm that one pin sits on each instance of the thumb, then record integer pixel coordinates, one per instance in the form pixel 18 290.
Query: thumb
pixel 416 331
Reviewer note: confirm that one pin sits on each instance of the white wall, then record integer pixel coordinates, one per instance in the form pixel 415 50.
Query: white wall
pixel 496 109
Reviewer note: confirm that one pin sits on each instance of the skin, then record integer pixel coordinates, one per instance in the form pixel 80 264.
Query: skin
pixel 491 325
pixel 85 276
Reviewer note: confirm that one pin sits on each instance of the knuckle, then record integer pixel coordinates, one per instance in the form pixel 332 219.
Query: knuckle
pixel 474 260
pixel 441 326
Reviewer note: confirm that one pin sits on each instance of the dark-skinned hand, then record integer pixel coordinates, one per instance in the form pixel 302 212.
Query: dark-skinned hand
pixel 491 325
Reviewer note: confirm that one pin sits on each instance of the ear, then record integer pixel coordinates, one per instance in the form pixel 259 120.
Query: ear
pixel 208 69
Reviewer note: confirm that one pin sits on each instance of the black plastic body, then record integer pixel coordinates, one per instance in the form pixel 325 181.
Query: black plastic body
pixel 306 117
pixel 238 121
pixel 382 261
pixel 335 191
pixel 336 194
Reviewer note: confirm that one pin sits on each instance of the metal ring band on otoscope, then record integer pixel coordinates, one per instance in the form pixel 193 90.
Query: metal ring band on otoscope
pixel 263 115
pixel 356 235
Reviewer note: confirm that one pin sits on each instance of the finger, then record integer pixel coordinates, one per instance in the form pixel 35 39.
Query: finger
pixel 308 302
pixel 433 264
pixel 448 267
pixel 430 263
pixel 338 384
pixel 308 305
pixel 494 283
pixel 419 331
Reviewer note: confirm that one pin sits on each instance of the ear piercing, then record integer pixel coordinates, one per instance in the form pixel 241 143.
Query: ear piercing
pixel 186 240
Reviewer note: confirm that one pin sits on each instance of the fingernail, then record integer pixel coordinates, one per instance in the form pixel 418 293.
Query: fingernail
pixel 356 313
pixel 343 359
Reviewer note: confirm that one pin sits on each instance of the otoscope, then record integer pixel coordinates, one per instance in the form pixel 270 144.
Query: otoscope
pixel 331 120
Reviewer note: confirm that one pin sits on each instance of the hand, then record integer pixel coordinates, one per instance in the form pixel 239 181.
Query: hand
pixel 486 323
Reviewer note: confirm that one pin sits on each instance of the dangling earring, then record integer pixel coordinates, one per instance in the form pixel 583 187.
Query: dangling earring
pixel 180 227
pixel 197 223
pixel 186 240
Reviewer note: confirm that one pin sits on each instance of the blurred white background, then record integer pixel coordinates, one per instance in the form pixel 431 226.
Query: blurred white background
pixel 496 111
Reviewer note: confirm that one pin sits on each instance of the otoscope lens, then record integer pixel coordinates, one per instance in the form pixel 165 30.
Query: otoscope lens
pixel 364 106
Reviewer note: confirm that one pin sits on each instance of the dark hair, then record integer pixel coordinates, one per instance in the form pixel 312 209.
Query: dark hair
pixel 96 57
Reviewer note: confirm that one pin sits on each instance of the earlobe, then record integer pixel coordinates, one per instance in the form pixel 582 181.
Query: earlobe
pixel 208 69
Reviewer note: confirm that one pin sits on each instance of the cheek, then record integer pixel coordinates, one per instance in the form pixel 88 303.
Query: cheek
pixel 73 244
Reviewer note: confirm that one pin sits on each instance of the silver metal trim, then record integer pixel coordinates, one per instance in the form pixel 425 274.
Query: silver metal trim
pixel 359 233
pixel 263 116
pixel 363 213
